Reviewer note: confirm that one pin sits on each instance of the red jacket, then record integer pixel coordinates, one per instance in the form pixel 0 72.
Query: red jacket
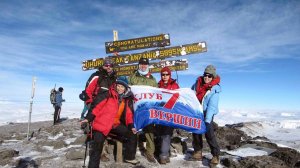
pixel 172 85
pixel 98 80
pixel 106 111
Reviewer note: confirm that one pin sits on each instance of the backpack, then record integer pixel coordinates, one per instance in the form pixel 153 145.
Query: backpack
pixel 53 96
pixel 83 95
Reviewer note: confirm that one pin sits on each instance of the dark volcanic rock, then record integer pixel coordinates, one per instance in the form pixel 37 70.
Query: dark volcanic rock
pixel 254 162
pixel 74 154
pixel 6 155
pixel 229 137
pixel 263 161
pixel 26 162
pixel 290 156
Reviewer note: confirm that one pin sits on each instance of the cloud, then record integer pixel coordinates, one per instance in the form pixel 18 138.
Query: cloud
pixel 49 40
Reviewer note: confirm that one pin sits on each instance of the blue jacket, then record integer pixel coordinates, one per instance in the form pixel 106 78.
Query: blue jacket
pixel 59 99
pixel 210 102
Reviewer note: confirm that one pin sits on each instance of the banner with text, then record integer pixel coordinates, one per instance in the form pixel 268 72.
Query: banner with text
pixel 175 108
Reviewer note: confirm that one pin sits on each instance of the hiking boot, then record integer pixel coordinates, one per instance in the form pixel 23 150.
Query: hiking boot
pixel 168 160
pixel 104 158
pixel 197 155
pixel 215 160
pixel 163 161
pixel 134 161
pixel 150 157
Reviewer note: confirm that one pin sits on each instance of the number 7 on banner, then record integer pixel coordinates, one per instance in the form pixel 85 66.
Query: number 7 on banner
pixel 171 102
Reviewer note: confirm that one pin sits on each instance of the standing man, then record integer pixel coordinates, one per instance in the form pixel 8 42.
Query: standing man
pixel 96 90
pixel 207 91
pixel 142 76
pixel 58 104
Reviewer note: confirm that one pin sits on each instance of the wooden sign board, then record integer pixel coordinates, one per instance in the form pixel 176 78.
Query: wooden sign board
pixel 152 55
pixel 161 53
pixel 92 64
pixel 138 43
pixel 174 65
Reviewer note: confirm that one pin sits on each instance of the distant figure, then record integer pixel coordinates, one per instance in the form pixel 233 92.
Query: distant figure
pixel 84 111
pixel 207 91
pixel 165 132
pixel 142 76
pixel 58 104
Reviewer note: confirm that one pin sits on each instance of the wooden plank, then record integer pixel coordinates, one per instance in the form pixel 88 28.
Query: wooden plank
pixel 119 157
pixel 162 53
pixel 137 43
pixel 174 65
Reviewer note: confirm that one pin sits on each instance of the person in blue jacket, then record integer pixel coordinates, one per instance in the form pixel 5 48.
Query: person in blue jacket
pixel 58 104
pixel 207 90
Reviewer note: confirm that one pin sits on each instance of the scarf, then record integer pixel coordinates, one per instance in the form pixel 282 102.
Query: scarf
pixel 202 87
pixel 120 111
pixel 145 72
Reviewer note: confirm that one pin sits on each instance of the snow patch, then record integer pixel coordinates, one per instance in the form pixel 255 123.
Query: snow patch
pixel 70 140
pixel 244 152
pixel 290 124
pixel 56 136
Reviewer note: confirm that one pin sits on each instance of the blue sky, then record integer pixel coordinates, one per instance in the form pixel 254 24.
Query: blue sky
pixel 254 45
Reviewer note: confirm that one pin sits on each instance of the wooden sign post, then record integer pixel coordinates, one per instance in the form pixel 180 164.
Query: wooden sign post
pixel 127 63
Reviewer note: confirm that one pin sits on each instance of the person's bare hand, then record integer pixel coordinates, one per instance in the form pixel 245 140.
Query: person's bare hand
pixel 134 131
pixel 83 121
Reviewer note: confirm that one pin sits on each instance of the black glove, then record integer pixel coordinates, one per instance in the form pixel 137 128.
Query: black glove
pixel 85 127
pixel 83 96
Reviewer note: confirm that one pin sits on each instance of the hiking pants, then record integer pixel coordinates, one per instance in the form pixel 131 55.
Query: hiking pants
pixel 210 138
pixel 121 130
pixel 149 134
pixel 165 133
pixel 56 114
pixel 165 146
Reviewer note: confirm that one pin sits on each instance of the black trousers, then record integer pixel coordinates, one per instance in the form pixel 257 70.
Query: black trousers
pixel 129 144
pixel 56 114
pixel 210 138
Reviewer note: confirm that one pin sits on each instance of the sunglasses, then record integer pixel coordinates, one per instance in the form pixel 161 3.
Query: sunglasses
pixel 108 65
pixel 208 75
pixel 165 74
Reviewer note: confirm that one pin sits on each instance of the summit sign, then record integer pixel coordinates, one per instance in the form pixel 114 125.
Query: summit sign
pixel 138 43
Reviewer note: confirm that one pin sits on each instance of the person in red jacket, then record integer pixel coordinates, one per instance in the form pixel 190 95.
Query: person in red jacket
pixel 114 115
pixel 165 132
pixel 99 82
pixel 96 90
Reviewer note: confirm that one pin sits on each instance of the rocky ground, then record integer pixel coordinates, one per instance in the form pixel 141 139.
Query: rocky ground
pixel 63 146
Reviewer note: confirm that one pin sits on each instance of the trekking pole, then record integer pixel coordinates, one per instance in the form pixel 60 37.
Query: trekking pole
pixel 90 133
pixel 86 146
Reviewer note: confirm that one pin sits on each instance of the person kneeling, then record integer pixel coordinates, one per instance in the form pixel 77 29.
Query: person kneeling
pixel 113 115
